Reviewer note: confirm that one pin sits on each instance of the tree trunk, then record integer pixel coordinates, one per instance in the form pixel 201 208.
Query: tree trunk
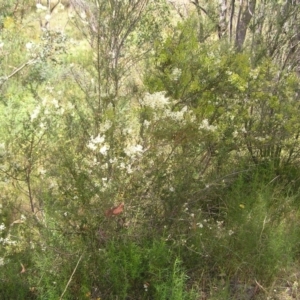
pixel 222 27
pixel 246 12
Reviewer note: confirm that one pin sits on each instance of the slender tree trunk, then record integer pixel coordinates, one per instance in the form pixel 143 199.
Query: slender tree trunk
pixel 246 12
pixel 231 19
pixel 222 27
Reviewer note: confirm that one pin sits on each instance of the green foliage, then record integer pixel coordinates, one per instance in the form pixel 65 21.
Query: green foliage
pixel 204 157
pixel 174 287
pixel 261 242
pixel 252 109
pixel 15 288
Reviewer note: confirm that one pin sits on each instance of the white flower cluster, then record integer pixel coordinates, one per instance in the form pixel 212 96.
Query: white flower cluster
pixel 96 140
pixel 105 126
pixel 98 143
pixel 176 115
pixel 163 108
pixel 176 73
pixel 30 46
pixel 133 150
pixel 235 134
pixel 206 126
pixel 156 100
pixel 146 123
pixel 254 73
pixel 7 240
pixel 35 113
pixel 59 109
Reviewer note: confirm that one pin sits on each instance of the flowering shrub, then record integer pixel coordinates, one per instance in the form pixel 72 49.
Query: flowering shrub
pixel 108 191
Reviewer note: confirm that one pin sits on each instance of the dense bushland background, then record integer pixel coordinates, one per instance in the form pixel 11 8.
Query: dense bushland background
pixel 186 112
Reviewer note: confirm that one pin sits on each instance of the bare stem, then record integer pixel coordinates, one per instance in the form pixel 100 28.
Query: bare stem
pixel 71 277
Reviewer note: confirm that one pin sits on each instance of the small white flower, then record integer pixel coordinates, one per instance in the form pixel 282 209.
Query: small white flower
pixel 104 166
pixel 94 141
pixel 254 73
pixel 230 232
pixel 112 160
pixel 92 146
pixel 176 73
pixel 55 103
pixel 42 171
pixel 61 111
pixel 39 6
pixel 206 126
pixel 235 134
pixel 83 15
pixel 129 169
pixel 70 106
pixel 98 139
pixel 156 100
pixel 8 241
pixel 103 150
pixel 138 148
pixel 29 46
pixel 146 123
pixel 146 285
pixel 48 17
pixel 43 125
pixel 219 223
pixel 35 113
pixel 65 213
pixel 1 45
pixel 104 127
pixel 133 150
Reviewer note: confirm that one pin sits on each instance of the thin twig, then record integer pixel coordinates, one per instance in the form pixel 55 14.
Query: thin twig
pixel 260 286
pixel 5 78
pixel 273 179
pixel 71 277
pixel 20 68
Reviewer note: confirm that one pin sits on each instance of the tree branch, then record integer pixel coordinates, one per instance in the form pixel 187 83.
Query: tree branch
pixel 5 78
pixel 71 277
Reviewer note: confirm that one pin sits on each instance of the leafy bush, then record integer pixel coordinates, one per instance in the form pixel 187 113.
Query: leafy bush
pixel 201 161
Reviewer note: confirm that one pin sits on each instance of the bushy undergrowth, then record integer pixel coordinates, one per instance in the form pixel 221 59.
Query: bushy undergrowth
pixel 183 187
pixel 251 237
